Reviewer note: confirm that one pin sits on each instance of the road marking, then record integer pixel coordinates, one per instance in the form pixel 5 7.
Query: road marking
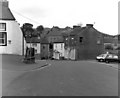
pixel 41 67
pixel 29 70
pixel 38 68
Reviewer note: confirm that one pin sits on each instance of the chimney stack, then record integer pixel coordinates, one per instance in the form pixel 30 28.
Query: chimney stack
pixel 4 3
pixel 76 26
pixel 89 25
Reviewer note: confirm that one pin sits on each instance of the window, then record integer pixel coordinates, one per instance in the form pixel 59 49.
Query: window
pixel 3 39
pixel 110 56
pixel 56 46
pixel 43 47
pixel 35 51
pixel 72 38
pixel 98 41
pixel 61 46
pixel 115 56
pixel 54 39
pixel 51 46
pixel 2 26
pixel 80 39
pixel 66 39
pixel 35 44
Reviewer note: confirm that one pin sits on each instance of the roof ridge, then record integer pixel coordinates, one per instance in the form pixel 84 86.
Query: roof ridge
pixel 6 13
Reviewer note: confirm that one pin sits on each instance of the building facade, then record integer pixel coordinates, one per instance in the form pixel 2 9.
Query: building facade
pixel 52 45
pixel 11 37
pixel 84 43
pixel 34 42
pixel 45 51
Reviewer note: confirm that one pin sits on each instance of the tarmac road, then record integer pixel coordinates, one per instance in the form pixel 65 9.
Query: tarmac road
pixel 63 78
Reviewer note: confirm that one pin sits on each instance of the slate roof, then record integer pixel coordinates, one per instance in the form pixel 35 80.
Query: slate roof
pixel 76 31
pixel 54 32
pixel 44 41
pixel 5 12
pixel 45 32
pixel 33 40
pixel 58 32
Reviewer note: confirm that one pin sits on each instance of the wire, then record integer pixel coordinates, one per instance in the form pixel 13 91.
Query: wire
pixel 25 17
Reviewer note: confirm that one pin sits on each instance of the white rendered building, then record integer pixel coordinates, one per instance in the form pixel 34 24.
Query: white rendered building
pixel 11 37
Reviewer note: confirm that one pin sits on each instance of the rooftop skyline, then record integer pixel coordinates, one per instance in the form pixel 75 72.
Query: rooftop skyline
pixel 102 13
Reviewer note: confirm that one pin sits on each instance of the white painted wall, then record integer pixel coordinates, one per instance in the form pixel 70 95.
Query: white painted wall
pixel 25 44
pixel 66 55
pixel 36 47
pixel 70 54
pixel 14 34
pixel 58 47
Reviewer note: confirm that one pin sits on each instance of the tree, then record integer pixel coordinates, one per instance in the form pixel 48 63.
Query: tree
pixel 118 48
pixel 27 30
pixel 39 30
pixel 109 47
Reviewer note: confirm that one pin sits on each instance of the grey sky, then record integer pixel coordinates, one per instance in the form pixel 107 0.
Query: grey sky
pixel 62 13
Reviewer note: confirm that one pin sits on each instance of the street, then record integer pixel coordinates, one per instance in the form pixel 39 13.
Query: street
pixel 60 78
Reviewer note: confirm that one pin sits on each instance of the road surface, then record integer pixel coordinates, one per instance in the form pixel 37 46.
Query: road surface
pixel 62 78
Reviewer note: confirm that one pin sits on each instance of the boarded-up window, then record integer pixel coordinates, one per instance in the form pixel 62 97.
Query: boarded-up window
pixel 80 39
pixel 3 39
pixel 43 47
pixel 2 26
pixel 51 46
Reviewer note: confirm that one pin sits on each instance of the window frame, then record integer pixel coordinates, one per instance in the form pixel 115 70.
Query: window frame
pixel 81 38
pixel 35 51
pixel 5 39
pixel 4 28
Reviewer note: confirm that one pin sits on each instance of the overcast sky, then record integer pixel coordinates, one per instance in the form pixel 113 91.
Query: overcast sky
pixel 102 13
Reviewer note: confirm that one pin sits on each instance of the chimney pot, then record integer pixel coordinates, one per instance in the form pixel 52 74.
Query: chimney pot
pixel 4 3
pixel 89 25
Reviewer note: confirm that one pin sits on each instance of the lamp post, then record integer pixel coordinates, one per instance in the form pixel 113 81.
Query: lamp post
pixel 39 39
pixel 30 36
pixel 68 46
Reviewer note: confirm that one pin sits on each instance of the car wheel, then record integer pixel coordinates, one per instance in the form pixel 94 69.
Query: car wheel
pixel 101 60
pixel 107 61
pixel 98 60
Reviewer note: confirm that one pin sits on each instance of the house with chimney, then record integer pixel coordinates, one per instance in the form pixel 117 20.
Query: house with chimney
pixel 83 43
pixel 11 37
pixel 44 51
pixel 34 42
pixel 73 44
pixel 54 43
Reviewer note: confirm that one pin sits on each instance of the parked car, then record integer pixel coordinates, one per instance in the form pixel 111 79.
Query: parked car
pixel 112 58
pixel 101 58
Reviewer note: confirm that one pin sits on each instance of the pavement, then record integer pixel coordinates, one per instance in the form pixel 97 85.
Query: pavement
pixel 12 66
pixel 58 78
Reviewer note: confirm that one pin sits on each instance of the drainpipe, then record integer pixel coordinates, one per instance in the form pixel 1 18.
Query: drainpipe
pixel 23 45
pixel 69 46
